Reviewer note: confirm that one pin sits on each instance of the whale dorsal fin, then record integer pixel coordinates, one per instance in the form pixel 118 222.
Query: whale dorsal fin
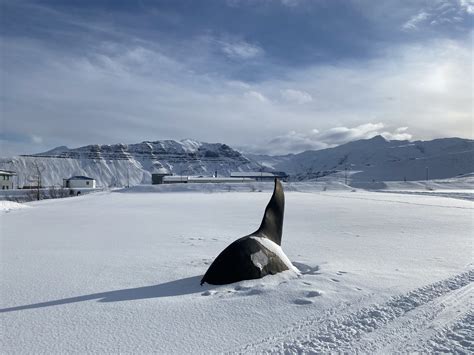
pixel 272 222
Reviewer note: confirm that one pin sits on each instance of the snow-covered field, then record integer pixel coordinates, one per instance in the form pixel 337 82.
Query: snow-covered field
pixel 120 271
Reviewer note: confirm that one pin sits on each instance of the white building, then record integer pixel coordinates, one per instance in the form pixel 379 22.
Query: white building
pixel 177 179
pixel 260 175
pixel 6 179
pixel 79 182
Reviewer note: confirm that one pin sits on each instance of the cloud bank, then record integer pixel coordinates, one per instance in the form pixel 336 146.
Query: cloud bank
pixel 94 74
pixel 297 142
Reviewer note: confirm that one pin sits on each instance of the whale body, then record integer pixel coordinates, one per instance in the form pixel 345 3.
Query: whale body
pixel 255 255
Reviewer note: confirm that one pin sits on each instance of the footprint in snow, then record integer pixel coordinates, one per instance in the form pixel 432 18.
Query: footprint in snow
pixel 208 293
pixel 312 294
pixel 255 291
pixel 335 280
pixel 302 301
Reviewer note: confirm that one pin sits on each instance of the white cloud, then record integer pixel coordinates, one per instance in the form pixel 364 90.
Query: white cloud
pixel 297 96
pixel 296 142
pixel 36 139
pixel 240 49
pixel 238 84
pixel 290 3
pixel 255 95
pixel 439 14
pixel 292 142
pixel 137 92
pixel 467 5
pixel 340 135
pixel 414 21
pixel 400 134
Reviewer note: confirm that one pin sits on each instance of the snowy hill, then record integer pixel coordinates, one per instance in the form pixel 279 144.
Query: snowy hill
pixel 122 164
pixel 367 160
pixel 381 160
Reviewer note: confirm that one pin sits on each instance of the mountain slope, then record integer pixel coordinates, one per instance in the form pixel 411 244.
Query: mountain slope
pixel 382 160
pixel 367 160
pixel 121 164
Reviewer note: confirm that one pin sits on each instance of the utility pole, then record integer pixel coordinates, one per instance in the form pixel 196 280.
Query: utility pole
pixel 128 177
pixel 427 175
pixel 38 179
pixel 345 174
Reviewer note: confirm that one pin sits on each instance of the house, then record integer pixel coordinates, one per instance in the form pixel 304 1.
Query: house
pixel 157 177
pixel 6 179
pixel 261 175
pixel 79 182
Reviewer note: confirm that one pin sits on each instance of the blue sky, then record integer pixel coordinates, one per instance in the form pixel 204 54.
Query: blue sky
pixel 265 76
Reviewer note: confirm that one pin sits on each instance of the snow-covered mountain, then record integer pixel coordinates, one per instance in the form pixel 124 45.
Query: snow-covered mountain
pixel 381 160
pixel 365 161
pixel 122 164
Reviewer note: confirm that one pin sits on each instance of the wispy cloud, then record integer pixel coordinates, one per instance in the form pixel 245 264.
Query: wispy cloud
pixel 297 96
pixel 296 142
pixel 241 50
pixel 255 95
pixel 415 21
pixel 440 14
pixel 400 134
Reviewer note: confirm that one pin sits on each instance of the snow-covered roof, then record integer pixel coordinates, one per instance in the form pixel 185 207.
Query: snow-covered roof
pixel 175 178
pixel 252 174
pixel 161 171
pixel 80 177
pixel 7 172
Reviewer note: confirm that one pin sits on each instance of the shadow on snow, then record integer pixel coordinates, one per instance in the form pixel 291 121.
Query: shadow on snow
pixel 179 287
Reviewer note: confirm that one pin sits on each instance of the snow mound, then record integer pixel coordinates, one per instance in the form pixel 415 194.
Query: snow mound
pixel 6 206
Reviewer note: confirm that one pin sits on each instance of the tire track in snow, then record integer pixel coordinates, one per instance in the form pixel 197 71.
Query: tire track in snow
pixel 457 338
pixel 395 201
pixel 411 330
pixel 332 332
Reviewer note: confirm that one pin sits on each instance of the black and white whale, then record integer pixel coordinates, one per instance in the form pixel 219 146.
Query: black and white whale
pixel 255 255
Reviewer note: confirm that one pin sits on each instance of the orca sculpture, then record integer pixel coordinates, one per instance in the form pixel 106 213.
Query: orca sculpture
pixel 255 255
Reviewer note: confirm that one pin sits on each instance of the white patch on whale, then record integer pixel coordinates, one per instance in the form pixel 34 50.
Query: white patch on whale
pixel 276 249
pixel 259 259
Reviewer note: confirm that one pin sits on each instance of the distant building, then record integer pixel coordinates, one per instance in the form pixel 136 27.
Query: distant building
pixel 79 182
pixel 178 179
pixel 157 177
pixel 261 175
pixel 212 179
pixel 183 179
pixel 6 179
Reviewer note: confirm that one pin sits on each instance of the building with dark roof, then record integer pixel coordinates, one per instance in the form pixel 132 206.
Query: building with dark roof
pixel 79 181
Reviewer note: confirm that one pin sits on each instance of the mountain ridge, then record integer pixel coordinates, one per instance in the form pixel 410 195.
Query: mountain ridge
pixel 131 164
pixel 384 160
pixel 366 160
